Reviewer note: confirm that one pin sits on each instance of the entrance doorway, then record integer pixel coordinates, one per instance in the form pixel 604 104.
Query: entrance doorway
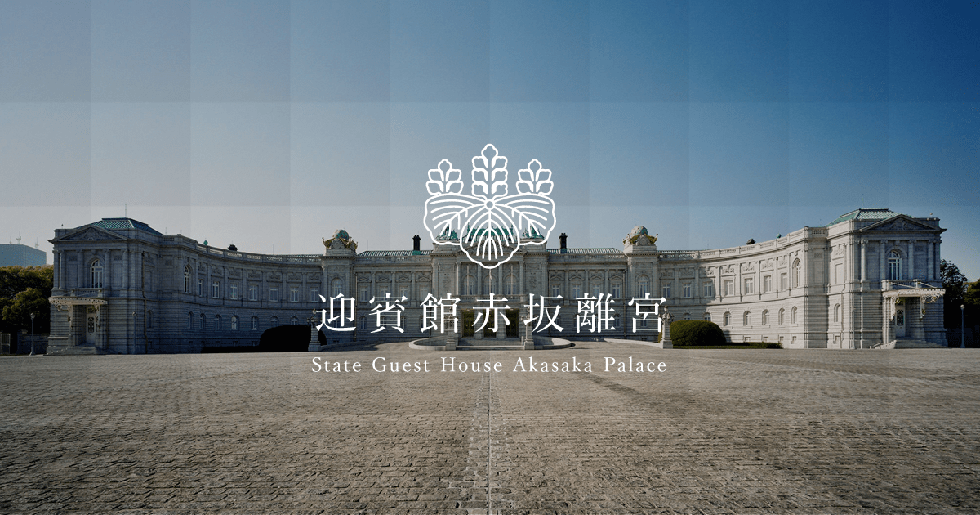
pixel 900 321
pixel 90 320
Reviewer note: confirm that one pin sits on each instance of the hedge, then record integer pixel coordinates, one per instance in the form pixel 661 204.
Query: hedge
pixel 700 333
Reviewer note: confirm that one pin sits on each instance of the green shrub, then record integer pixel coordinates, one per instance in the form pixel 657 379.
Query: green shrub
pixel 696 333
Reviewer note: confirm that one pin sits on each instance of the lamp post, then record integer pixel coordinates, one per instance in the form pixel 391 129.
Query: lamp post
pixel 962 327
pixel 32 334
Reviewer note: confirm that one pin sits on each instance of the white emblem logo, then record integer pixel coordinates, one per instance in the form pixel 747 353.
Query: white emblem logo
pixel 489 225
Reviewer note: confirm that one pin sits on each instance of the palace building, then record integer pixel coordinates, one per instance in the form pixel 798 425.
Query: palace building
pixel 868 279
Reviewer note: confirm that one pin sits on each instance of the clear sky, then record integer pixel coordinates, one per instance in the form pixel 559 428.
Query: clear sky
pixel 271 124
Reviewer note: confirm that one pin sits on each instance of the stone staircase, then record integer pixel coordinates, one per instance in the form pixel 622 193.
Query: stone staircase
pixel 75 350
pixel 908 344
pixel 490 344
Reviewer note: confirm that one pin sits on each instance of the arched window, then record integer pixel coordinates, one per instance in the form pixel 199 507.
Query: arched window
pixel 727 318
pixel 644 285
pixel 187 280
pixel 337 287
pixel 274 321
pixel 470 285
pixel 895 266
pixel 234 322
pixel 707 316
pixel 793 317
pixel 203 322
pixel 796 274
pixel 745 318
pixel 217 322
pixel 836 312
pixel 510 285
pixel 149 319
pixel 293 321
pixel 190 320
pixel 782 316
pixel 687 316
pixel 765 317
pixel 97 275
pixel 255 323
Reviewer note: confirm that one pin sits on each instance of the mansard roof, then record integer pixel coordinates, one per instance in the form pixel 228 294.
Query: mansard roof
pixel 123 223
pixel 874 214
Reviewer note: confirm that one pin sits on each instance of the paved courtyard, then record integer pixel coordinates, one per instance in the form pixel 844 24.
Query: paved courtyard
pixel 720 431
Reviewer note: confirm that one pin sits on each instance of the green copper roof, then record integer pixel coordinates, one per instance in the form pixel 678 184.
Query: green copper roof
pixel 386 253
pixel 865 214
pixel 119 224
pixel 586 251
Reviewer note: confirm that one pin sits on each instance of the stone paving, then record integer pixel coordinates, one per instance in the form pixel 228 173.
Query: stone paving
pixel 718 431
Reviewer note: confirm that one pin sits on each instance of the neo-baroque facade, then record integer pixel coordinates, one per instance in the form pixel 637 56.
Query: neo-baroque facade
pixel 868 279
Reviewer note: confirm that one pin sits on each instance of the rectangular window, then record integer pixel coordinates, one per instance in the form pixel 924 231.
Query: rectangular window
pixel 294 295
pixel 709 289
pixel 644 288
pixel 665 291
pixel 729 287
pixel 200 287
pixel 555 290
pixel 233 291
pixel 596 290
pixel 783 281
pixel 274 294
pixel 576 292
pixel 255 323
pixel 314 295
pixel 616 291
pixel 838 273
pixel 404 293
pixel 215 289
pixel 687 291
pixel 767 284
pixel 749 286
pixel 364 295
pixel 149 281
pixel 253 292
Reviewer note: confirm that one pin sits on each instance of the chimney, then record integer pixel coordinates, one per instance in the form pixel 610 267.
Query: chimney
pixel 416 243
pixel 563 238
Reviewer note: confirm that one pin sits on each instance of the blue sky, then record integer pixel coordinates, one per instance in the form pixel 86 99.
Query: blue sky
pixel 271 124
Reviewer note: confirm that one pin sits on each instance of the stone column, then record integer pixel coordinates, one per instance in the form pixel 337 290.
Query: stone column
pixel 911 260
pixel 56 259
pixel 882 273
pixel 864 260
pixel 520 280
pixel 930 268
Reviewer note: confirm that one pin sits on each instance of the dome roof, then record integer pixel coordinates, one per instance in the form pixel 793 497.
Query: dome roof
pixel 340 233
pixel 638 230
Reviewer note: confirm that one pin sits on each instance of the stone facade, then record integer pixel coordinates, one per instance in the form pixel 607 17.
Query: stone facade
pixel 868 279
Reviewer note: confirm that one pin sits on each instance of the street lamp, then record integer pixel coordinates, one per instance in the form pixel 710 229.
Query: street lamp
pixel 32 334
pixel 962 327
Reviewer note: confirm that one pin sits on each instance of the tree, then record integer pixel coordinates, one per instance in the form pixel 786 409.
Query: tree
pixel 25 290
pixel 18 312
pixel 971 299
pixel 954 282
